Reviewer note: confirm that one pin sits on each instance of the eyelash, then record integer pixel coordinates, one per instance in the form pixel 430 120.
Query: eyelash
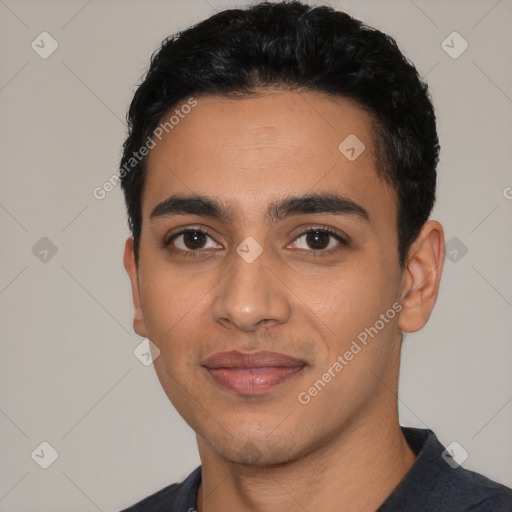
pixel 313 252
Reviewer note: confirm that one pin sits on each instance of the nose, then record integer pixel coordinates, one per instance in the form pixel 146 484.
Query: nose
pixel 251 296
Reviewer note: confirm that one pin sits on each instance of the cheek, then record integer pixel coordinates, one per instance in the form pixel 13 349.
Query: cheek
pixel 352 298
pixel 173 306
pixel 361 347
pixel 361 325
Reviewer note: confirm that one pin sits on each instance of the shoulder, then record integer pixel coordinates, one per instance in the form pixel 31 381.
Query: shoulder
pixel 179 496
pixel 473 492
pixel 436 482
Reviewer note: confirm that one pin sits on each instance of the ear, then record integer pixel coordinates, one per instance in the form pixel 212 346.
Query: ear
pixel 421 277
pixel 130 264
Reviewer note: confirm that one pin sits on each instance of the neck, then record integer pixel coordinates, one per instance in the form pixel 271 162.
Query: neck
pixel 358 468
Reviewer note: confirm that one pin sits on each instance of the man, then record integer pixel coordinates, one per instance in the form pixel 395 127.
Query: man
pixel 279 175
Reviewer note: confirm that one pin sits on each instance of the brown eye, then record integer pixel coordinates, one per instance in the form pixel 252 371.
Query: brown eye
pixel 321 240
pixel 318 239
pixel 192 240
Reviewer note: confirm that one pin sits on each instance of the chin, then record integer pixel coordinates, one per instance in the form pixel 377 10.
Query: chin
pixel 261 449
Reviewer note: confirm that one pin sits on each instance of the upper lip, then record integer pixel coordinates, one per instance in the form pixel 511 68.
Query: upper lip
pixel 235 359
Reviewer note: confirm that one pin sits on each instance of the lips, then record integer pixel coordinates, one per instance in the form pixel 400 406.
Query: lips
pixel 253 372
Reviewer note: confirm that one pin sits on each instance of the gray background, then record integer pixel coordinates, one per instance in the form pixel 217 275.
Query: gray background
pixel 68 373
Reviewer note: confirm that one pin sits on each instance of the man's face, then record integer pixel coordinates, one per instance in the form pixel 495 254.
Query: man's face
pixel 259 282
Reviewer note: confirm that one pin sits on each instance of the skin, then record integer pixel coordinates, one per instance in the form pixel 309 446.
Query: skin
pixel 269 452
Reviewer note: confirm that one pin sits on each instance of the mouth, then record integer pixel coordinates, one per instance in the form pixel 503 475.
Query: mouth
pixel 252 373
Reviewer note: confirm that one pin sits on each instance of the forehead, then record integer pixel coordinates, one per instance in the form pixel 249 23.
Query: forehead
pixel 250 151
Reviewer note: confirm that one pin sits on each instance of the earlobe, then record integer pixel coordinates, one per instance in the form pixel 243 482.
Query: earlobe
pixel 421 277
pixel 130 264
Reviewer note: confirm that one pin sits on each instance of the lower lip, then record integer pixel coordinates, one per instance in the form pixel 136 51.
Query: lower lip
pixel 251 381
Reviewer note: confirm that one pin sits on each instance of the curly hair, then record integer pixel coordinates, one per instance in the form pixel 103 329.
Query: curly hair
pixel 297 47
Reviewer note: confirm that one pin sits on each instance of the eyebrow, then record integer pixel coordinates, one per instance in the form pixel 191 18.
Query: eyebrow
pixel 293 205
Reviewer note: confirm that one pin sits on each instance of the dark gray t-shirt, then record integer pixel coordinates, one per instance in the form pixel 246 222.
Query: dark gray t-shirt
pixel 431 485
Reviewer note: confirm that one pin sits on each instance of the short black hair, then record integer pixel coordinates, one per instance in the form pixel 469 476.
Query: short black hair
pixel 295 46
